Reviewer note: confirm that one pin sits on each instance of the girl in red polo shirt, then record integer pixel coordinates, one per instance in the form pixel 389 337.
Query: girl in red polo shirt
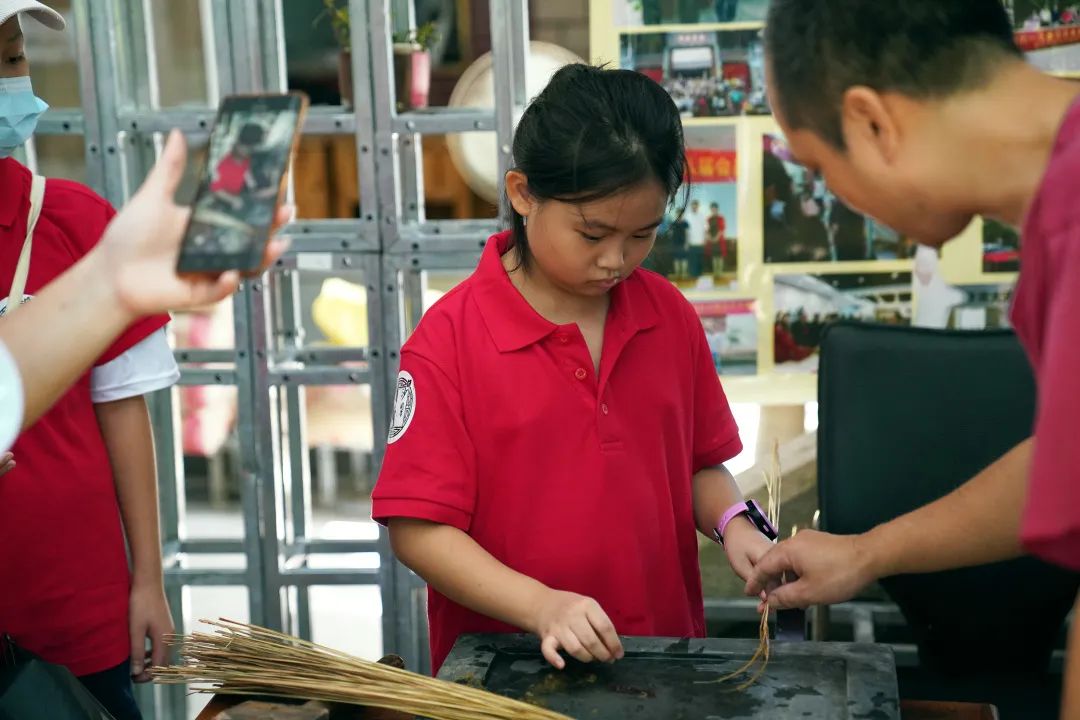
pixel 559 429
pixel 233 174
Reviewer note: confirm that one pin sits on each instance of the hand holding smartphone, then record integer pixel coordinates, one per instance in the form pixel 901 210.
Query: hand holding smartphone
pixel 251 147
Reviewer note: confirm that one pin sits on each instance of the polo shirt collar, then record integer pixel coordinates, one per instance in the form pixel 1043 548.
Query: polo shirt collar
pixel 514 324
pixel 14 190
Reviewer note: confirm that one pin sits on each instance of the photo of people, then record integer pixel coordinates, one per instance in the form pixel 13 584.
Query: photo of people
pixel 732 332
pixel 806 304
pixel 697 245
pixel 632 13
pixel 1049 33
pixel 804 222
pixel 247 155
pixel 1001 247
pixel 708 74
pixel 1030 15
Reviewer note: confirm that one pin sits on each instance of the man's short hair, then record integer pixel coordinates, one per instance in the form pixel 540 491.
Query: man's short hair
pixel 818 49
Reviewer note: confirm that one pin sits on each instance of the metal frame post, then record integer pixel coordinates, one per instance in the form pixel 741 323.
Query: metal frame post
pixel 391 243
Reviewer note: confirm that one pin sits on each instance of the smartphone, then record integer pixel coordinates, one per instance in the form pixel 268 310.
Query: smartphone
pixel 240 188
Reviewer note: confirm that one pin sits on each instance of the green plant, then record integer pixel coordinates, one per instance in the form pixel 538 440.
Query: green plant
pixel 425 36
pixel 338 13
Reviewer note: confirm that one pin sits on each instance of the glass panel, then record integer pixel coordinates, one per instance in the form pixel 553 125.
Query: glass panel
pixel 181 52
pixel 348 618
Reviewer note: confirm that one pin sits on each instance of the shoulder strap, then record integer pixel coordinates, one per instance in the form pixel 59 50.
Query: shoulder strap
pixel 22 270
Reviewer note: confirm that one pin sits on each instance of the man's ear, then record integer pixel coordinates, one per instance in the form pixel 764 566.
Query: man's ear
pixel 869 124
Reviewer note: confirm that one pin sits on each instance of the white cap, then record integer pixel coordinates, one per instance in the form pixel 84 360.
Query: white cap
pixel 39 11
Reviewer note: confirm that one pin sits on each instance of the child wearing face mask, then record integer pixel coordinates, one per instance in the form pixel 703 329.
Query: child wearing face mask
pixel 82 480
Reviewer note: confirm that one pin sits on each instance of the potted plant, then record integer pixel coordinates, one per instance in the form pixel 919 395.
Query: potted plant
pixel 338 13
pixel 412 66
pixel 412 60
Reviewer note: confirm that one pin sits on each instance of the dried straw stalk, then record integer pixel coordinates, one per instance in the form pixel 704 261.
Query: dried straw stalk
pixel 240 659
pixel 774 481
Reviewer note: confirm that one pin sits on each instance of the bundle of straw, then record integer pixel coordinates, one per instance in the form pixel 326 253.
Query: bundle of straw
pixel 774 482
pixel 239 659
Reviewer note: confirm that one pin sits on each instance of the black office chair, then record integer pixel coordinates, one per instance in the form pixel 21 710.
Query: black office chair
pixel 906 416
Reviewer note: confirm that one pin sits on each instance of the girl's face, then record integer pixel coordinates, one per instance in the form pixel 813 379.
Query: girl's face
pixel 11 38
pixel 587 249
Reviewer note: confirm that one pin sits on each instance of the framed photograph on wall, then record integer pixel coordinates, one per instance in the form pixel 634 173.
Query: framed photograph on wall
pixel 803 221
pixel 731 328
pixel 633 13
pixel 697 247
pixel 806 304
pixel 708 73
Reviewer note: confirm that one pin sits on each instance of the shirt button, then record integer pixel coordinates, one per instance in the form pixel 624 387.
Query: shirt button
pixel 580 374
pixel 604 408
pixel 563 339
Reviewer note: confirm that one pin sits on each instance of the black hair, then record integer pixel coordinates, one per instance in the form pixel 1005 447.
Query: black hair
pixel 250 135
pixel 818 49
pixel 592 133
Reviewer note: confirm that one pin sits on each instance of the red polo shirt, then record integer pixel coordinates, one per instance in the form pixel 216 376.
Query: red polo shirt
pixel 1046 315
pixel 64 580
pixel 503 430
pixel 230 175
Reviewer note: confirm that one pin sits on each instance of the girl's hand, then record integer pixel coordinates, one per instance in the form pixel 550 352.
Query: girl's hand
pixel 7 463
pixel 744 545
pixel 149 618
pixel 578 625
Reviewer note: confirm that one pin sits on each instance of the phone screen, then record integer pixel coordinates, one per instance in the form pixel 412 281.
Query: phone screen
pixel 249 152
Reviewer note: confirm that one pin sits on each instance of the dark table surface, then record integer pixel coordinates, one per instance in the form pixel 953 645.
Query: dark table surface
pixel 670 678
pixel 909 710
pixel 678 679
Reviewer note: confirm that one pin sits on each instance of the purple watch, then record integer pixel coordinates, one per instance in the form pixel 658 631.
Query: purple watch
pixel 753 512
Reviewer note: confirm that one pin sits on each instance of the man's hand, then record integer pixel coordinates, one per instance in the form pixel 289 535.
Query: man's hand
pixel 142 243
pixel 148 617
pixel 7 463
pixel 819 568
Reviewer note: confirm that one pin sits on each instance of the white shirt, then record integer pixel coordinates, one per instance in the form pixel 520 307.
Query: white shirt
pixel 935 298
pixel 12 400
pixel 145 368
pixel 695 235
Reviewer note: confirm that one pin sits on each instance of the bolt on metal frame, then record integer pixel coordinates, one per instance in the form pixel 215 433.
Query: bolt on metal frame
pixel 391 244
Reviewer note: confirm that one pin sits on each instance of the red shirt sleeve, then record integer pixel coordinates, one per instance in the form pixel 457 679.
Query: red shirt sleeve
pixel 1051 524
pixel 429 471
pixel 90 227
pixel 716 436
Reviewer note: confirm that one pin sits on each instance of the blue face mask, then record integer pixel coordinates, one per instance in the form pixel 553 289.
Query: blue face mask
pixel 19 113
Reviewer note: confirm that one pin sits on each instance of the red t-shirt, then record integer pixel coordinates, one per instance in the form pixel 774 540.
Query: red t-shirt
pixel 64 579
pixel 230 175
pixel 502 429
pixel 1046 314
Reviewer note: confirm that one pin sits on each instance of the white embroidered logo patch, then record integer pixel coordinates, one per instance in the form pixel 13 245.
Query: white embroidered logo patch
pixel 4 303
pixel 404 407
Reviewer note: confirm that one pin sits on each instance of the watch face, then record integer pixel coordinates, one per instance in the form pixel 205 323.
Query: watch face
pixel 760 520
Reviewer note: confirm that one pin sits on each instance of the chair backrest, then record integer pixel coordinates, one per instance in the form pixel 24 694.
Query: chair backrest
pixel 906 416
